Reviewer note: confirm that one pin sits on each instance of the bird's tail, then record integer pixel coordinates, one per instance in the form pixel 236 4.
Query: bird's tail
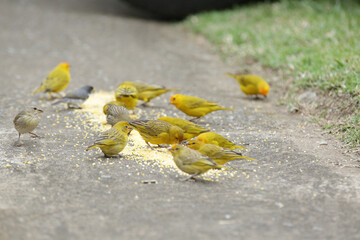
pixel 243 157
pixel 172 89
pixel 204 131
pixel 248 158
pixel 91 147
pixel 218 166
pixel 224 108
pixel 138 124
pixel 230 75
pixel 238 155
pixel 239 147
pixel 41 88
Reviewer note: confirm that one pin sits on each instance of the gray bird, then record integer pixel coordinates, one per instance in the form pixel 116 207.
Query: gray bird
pixel 115 113
pixel 26 121
pixel 76 97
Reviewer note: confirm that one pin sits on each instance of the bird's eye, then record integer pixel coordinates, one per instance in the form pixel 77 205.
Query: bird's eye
pixel 176 148
pixel 173 99
pixel 35 108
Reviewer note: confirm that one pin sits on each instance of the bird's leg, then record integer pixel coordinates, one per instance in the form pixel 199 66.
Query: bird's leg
pixel 160 146
pixel 35 135
pixel 194 119
pixel 149 145
pixel 18 142
pixel 145 104
pixel 112 156
pixel 191 178
pixel 51 97
pixel 59 95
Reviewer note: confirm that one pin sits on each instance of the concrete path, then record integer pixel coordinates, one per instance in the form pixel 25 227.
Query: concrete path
pixel 303 185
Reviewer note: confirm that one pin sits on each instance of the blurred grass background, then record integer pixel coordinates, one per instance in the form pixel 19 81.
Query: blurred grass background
pixel 317 42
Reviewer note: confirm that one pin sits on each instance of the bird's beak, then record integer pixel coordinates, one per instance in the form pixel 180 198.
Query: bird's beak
pixel 130 130
pixel 184 142
pixel 93 90
pixel 39 111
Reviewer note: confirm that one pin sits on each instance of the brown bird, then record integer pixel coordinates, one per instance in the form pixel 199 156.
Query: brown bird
pixel 26 121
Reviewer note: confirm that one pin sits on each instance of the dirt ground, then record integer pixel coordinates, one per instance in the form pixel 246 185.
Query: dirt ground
pixel 304 185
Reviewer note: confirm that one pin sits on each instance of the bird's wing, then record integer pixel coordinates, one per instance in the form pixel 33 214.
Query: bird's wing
pixel 80 93
pixel 19 115
pixel 145 126
pixel 108 137
pixel 245 81
pixel 197 103
pixel 194 128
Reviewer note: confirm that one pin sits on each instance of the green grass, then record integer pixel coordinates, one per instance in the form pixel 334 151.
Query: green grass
pixel 317 42
pixel 350 130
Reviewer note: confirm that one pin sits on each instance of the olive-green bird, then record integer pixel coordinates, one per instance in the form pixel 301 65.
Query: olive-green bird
pixel 147 92
pixel 216 153
pixel 127 94
pixel 158 132
pixel 114 140
pixel 217 139
pixel 190 129
pixel 192 162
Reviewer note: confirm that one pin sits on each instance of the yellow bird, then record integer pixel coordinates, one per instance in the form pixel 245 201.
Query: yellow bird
pixel 116 114
pixel 26 121
pixel 190 129
pixel 192 162
pixel 57 80
pixel 252 84
pixel 147 92
pixel 117 103
pixel 127 94
pixel 216 139
pixel 194 106
pixel 158 132
pixel 218 154
pixel 114 140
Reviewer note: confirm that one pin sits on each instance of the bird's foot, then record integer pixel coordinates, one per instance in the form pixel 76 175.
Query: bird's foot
pixel 150 146
pixel 194 119
pixel 160 146
pixel 73 106
pixel 18 143
pixel 113 156
pixel 50 97
pixel 189 179
pixel 35 135
pixel 145 104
